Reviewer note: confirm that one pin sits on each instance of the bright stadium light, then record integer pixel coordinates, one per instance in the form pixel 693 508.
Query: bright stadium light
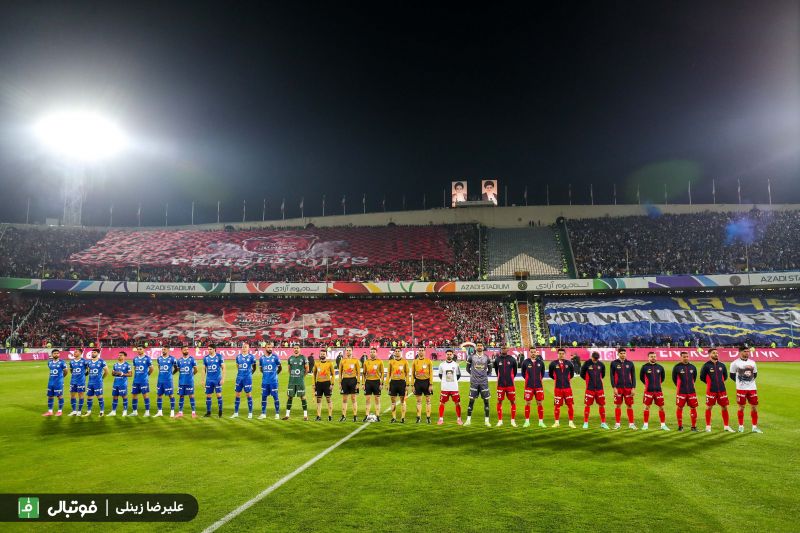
pixel 80 135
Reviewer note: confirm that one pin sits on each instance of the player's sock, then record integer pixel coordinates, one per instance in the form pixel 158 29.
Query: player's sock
pixel 570 412
pixel 469 407
pixel 208 404
pixel 288 405
pixel 679 416
pixel 172 403
pixel 486 409
pixel 527 412
pixel 617 414
pixel 304 403
pixel 708 417
pixel 192 404
pixel 726 419
pixel 586 415
pixel 630 415
pixel 276 401
pixel 147 404
pixel 236 403
pixel 102 402
pixel 80 405
pixel 693 416
pixel 180 404
pixel 646 417
pixel 441 410
pixel 602 414
pixel 540 411
pixel 49 403
pixel 125 403
pixel 90 401
pixel 662 416
pixel 263 404
pixel 61 404
pixel 219 405
pixel 159 403
pixel 249 404
pixel 114 403
pixel 135 404
pixel 513 411
pixel 458 410
pixel 754 417
pixel 740 416
pixel 73 402
pixel 499 411
pixel 557 412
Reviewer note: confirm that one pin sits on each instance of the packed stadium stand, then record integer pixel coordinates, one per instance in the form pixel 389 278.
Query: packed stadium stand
pixel 533 250
pixel 77 321
pixel 699 243
pixel 388 253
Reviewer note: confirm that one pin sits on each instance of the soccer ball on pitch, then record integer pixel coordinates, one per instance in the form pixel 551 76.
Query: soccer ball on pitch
pixel 372 418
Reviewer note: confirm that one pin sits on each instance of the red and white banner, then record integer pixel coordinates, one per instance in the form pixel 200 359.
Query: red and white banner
pixel 308 248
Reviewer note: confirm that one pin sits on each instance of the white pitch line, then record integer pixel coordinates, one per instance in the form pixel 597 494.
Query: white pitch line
pixel 282 481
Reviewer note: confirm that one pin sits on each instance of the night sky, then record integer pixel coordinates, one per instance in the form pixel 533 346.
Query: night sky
pixel 239 101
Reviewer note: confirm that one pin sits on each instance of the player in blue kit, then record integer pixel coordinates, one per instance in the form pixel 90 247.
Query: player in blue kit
pixel 270 368
pixel 55 383
pixel 121 372
pixel 142 368
pixel 167 366
pixel 245 365
pixel 214 366
pixel 97 370
pixel 77 382
pixel 187 368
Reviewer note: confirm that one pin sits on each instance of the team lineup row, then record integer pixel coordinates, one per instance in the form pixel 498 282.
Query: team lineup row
pixel 373 376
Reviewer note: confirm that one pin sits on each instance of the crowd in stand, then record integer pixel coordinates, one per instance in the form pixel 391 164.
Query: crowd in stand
pixel 698 243
pixel 45 253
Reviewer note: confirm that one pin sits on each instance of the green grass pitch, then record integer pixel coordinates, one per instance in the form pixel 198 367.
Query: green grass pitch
pixel 414 478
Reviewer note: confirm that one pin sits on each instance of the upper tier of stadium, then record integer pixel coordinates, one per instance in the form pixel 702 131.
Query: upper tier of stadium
pixel 435 245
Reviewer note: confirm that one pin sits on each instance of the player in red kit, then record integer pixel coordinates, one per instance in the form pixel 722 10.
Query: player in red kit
pixel 623 379
pixel 561 371
pixel 684 374
pixel 593 372
pixel 744 372
pixel 533 372
pixel 713 374
pixel 652 375
pixel 505 366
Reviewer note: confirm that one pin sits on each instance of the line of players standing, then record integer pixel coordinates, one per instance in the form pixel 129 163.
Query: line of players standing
pixel 87 377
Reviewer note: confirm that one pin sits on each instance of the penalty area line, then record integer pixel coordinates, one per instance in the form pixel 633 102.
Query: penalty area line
pixel 282 481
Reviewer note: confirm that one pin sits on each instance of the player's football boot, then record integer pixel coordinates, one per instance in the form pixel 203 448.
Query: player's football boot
pixel 277 416
pixel 159 413
pixel 542 424
pixel 89 413
pixel 262 416
pixel 343 419
pixel 305 418
pixel 459 422
pixel 728 429
pixel 527 424
pixel 741 429
pixel 194 414
pixel 499 423
pixel 236 415
pixel 664 427
pixel 134 413
pixel 377 418
pixel 355 418
pixel 585 425
pixel 632 426
pixel 572 424
pixel 756 430
pixel 680 428
pixel 513 423
pixel 112 413
pixel 207 415
pixel 172 414
pixel 146 414
pixel 285 417
pixel 428 420
pixel 694 428
pixel 402 420
pixel 708 429
pixel 250 415
pixel 47 413
pixel 101 413
pixel 330 418
pixel 58 413
pixel 556 424
pixel 440 422
pixel 617 425
pixel 365 419
pixel 74 413
pixel 604 426
pixel 645 426
pixel 487 423
pixel 419 419
pixel 124 413
pixel 468 422
pixel 179 415
pixel 318 419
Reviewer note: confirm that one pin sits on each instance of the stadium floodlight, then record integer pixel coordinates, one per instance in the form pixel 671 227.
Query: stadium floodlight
pixel 84 136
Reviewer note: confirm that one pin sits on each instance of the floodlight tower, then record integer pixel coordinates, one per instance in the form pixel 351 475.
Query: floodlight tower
pixel 78 139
